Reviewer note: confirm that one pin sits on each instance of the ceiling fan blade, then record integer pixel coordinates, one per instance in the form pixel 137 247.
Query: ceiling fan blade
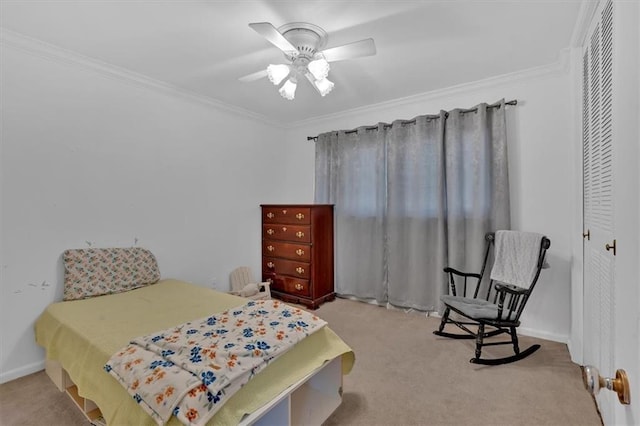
pixel 356 49
pixel 312 80
pixel 268 31
pixel 254 76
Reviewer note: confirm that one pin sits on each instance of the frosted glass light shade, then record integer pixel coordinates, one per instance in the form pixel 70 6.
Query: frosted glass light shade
pixel 277 73
pixel 324 86
pixel 288 90
pixel 319 68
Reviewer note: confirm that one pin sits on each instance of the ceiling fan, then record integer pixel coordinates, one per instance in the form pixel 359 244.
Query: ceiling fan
pixel 303 44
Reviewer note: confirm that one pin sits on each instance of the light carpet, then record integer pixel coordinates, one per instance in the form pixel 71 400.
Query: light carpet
pixel 403 375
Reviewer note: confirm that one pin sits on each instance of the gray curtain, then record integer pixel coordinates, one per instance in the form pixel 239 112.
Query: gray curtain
pixel 415 232
pixel 477 182
pixel 411 198
pixel 350 174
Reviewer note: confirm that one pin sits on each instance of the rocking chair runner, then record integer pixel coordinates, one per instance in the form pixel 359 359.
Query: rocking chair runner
pixel 519 258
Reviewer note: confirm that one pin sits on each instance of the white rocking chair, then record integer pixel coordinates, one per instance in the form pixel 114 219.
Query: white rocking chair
pixel 243 284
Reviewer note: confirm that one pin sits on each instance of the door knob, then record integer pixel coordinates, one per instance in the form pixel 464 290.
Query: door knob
pixel 594 382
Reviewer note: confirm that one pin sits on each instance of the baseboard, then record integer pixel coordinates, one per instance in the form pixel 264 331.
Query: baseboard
pixel 561 338
pixel 531 332
pixel 575 351
pixel 25 370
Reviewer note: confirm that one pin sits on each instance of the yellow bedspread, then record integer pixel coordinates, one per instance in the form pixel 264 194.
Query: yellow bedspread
pixel 83 334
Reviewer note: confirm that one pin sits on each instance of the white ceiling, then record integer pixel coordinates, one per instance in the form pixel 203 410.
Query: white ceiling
pixel 205 46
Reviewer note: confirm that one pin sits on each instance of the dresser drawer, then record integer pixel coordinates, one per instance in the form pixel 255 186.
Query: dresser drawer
pixel 298 233
pixel 271 248
pixel 295 286
pixel 287 215
pixel 286 267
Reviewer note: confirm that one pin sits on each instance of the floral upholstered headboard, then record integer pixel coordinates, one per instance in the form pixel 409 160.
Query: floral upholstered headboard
pixel 94 272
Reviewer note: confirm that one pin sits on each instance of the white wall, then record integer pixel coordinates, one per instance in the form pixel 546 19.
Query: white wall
pixel 89 158
pixel 539 131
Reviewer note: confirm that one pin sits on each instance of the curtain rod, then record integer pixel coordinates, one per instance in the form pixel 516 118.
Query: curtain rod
pixel 496 105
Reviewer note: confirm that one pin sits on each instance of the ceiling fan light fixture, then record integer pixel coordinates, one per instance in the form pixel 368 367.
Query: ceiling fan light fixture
pixel 324 86
pixel 303 45
pixel 319 68
pixel 277 73
pixel 288 89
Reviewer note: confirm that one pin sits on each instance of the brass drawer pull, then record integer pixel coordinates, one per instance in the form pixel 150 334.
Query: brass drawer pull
pixel 270 248
pixel 299 234
pixel 300 270
pixel 300 252
pixel 284 229
pixel 270 215
pixel 270 265
pixel 299 286
pixel 284 212
pixel 270 231
pixel 299 216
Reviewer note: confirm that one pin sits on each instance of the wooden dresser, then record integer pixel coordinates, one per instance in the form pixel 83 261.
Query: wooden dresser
pixel 297 252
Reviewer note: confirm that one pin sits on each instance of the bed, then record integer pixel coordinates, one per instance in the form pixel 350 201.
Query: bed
pixel 302 386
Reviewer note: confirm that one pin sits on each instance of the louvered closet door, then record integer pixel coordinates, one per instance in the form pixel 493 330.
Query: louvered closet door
pixel 611 134
pixel 598 175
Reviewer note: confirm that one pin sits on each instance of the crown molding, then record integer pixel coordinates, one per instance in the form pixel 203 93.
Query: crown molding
pixel 561 66
pixel 58 54
pixel 583 22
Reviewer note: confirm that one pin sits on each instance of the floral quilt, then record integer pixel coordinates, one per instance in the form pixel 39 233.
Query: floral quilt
pixel 190 371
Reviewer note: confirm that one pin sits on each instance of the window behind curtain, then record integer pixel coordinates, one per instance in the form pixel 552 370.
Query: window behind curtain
pixel 411 198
